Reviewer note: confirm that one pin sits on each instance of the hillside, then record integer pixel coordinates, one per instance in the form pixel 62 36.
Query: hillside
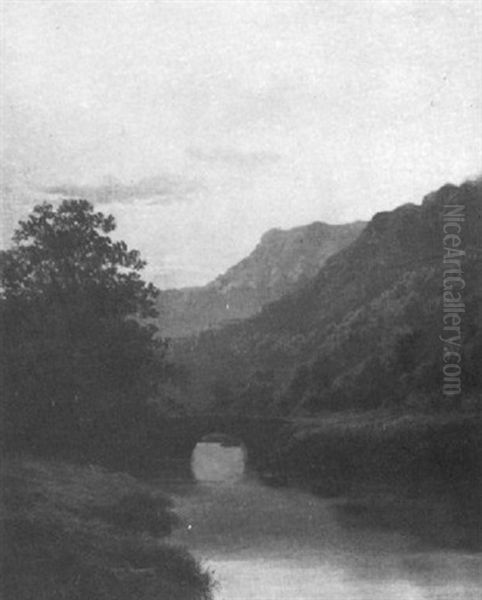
pixel 280 263
pixel 365 332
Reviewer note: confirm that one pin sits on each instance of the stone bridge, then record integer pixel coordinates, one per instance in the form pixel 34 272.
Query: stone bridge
pixel 178 436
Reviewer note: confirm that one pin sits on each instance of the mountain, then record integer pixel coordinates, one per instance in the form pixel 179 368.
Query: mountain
pixel 281 262
pixel 367 331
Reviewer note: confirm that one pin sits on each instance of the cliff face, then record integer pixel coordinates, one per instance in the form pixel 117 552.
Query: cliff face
pixel 366 330
pixel 281 263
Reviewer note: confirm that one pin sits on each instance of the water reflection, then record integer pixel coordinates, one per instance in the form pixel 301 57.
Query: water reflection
pixel 285 544
pixel 217 459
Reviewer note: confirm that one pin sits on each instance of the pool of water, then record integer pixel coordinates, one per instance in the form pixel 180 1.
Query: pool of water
pixel 264 543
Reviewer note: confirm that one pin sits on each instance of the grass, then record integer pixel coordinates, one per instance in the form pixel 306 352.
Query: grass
pixel 84 533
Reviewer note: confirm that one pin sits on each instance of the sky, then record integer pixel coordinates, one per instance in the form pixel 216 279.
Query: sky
pixel 202 124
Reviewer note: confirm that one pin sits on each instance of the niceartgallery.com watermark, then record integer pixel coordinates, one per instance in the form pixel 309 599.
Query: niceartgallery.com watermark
pixel 453 303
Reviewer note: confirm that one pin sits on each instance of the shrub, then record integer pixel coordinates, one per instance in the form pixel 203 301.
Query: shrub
pixel 83 533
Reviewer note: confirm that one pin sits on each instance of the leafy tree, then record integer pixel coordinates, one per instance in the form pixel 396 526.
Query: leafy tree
pixel 77 357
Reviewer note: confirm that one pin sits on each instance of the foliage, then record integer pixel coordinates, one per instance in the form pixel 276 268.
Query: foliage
pixel 140 511
pixel 423 461
pixel 75 352
pixel 64 543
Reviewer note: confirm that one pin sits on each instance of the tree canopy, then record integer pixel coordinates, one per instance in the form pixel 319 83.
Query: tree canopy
pixel 77 354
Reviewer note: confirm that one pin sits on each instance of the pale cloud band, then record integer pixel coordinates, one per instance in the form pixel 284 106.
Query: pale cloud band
pixel 161 189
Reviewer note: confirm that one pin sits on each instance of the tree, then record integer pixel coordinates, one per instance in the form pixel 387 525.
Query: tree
pixel 77 356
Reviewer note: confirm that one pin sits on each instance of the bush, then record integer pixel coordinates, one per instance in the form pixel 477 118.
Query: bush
pixel 83 533
pixel 140 512
pixel 412 451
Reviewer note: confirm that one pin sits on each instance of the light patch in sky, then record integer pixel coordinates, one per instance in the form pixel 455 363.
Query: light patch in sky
pixel 281 112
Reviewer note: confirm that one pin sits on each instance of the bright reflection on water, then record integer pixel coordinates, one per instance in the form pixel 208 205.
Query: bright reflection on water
pixel 268 543
pixel 218 461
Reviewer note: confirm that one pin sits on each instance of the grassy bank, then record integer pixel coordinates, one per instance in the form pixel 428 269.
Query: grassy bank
pixel 84 533
pixel 417 473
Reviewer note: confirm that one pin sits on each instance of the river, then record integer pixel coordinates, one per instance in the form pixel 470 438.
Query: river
pixel 266 543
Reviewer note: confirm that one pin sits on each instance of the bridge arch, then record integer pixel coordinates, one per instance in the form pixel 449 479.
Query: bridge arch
pixel 178 436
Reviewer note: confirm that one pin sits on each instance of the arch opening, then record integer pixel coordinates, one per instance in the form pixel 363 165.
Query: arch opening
pixel 219 457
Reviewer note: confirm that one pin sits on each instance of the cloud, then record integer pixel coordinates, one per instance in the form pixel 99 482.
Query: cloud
pixel 165 189
pixel 236 158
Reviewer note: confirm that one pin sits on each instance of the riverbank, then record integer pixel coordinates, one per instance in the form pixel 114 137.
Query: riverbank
pixel 416 473
pixel 84 533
